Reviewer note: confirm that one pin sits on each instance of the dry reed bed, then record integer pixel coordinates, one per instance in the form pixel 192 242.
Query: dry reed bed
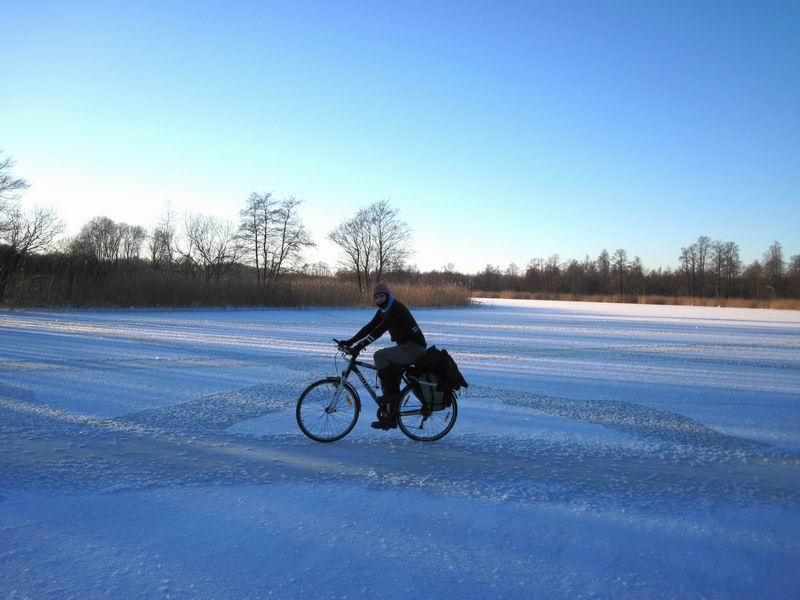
pixel 778 303
pixel 153 290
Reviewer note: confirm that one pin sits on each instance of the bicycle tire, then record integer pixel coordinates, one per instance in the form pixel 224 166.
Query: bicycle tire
pixel 319 424
pixel 421 424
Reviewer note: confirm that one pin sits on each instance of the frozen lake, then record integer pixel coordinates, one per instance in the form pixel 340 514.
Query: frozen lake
pixel 602 450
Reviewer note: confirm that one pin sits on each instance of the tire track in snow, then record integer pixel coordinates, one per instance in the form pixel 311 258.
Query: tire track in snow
pixel 217 411
pixel 41 447
pixel 627 417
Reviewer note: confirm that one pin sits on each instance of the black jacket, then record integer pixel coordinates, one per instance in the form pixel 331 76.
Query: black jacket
pixel 397 320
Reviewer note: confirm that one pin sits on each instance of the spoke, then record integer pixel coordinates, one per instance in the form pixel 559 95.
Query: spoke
pixel 335 420
pixel 329 426
pixel 326 397
pixel 318 421
pixel 425 428
pixel 313 422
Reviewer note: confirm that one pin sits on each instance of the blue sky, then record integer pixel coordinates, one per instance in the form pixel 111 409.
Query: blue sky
pixel 503 131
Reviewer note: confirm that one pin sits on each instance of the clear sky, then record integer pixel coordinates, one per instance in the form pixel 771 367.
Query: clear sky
pixel 502 130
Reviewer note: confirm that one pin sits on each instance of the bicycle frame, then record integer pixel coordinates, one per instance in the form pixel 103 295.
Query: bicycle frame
pixel 353 367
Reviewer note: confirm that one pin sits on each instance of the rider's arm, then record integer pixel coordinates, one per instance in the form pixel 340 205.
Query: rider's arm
pixel 366 329
pixel 374 334
pixel 382 323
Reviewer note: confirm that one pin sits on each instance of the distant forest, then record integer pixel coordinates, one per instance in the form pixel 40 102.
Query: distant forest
pixel 707 269
pixel 199 260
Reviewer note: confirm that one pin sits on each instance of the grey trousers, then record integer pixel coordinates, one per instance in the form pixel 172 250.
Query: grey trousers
pixel 402 354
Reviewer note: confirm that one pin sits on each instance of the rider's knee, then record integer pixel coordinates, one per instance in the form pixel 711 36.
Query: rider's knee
pixel 381 359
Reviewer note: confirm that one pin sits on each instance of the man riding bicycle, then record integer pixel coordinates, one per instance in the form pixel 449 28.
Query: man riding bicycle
pixel 394 317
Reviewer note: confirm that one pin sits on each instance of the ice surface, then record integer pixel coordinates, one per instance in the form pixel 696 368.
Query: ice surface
pixel 601 451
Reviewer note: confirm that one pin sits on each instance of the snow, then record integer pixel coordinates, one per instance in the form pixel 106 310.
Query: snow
pixel 602 450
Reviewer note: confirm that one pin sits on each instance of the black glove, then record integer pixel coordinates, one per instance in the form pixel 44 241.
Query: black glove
pixel 359 347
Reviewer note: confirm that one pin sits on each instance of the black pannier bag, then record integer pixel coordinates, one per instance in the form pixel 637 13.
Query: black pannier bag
pixel 427 390
pixel 438 378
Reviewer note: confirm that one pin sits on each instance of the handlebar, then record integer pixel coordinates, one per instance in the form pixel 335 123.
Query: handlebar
pixel 345 348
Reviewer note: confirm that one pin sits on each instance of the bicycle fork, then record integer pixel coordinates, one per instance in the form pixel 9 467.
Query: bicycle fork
pixel 331 408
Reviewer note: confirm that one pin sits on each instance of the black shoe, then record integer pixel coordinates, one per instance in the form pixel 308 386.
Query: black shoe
pixel 384 422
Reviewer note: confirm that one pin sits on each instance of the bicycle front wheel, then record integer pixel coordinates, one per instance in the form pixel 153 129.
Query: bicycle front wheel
pixel 326 414
pixel 422 424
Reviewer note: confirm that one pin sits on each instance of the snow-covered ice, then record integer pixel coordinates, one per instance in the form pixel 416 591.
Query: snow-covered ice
pixel 602 450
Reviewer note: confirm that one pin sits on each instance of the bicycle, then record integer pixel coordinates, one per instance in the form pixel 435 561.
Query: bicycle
pixel 328 409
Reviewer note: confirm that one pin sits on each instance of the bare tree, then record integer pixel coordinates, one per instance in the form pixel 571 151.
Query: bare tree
pixel 254 229
pixel 636 275
pixel 793 273
pixel 774 266
pixel 689 266
pixel 10 190
pixel 533 273
pixel 572 276
pixel 512 271
pixel 490 279
pixel 794 265
pixel 161 243
pixel 213 245
pixel 99 241
pixel 22 235
pixel 10 187
pixel 552 272
pixel 289 239
pixel 703 245
pixel 317 269
pixel 620 267
pixel 354 238
pixel 273 234
pixel 391 237
pixel 132 239
pixel 604 269
pixel 374 242
pixel 732 265
pixel 717 264
pixel 753 278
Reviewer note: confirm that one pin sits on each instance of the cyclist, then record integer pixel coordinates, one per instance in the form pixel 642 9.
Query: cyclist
pixel 394 317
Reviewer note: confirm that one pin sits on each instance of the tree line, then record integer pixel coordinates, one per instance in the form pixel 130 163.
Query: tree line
pixel 183 261
pixel 259 259
pixel 707 269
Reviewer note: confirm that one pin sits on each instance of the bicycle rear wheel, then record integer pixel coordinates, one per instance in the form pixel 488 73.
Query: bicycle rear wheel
pixel 420 423
pixel 318 419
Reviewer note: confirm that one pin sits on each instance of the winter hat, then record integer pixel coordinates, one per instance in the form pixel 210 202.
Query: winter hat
pixel 381 288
